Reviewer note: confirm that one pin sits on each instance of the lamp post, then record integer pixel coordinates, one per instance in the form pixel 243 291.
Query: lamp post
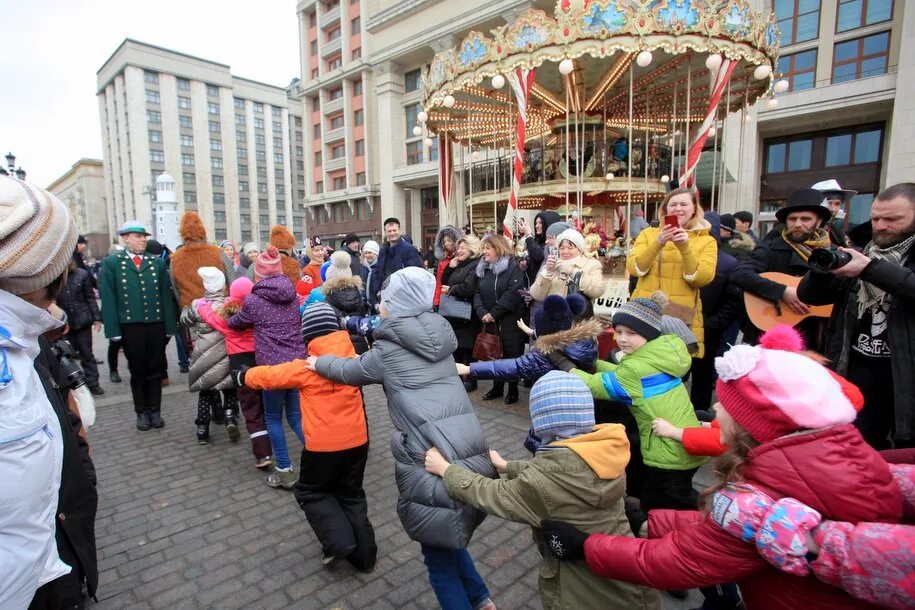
pixel 10 169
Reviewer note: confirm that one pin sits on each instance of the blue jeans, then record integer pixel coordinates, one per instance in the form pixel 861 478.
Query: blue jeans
pixel 454 578
pixel 275 402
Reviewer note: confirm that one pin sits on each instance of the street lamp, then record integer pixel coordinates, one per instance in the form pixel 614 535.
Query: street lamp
pixel 11 170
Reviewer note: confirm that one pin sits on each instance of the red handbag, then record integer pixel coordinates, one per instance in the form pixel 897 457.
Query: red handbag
pixel 488 346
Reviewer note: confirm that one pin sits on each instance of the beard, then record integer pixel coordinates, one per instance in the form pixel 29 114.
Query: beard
pixel 888 238
pixel 800 237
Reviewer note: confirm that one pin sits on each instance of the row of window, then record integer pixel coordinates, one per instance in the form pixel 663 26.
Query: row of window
pixel 339 183
pixel 338 151
pixel 328 6
pixel 799 20
pixel 821 151
pixel 851 60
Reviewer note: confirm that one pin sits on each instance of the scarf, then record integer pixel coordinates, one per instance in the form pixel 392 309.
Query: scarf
pixel 820 240
pixel 871 297
pixel 498 267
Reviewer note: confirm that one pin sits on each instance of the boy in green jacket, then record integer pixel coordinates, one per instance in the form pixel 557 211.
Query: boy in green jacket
pixel 576 475
pixel 648 380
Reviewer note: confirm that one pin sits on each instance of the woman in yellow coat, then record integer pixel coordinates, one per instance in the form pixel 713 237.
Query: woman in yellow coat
pixel 678 260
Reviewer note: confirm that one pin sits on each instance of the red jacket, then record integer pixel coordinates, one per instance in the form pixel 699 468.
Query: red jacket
pixel 237 341
pixel 832 470
pixel 704 441
pixel 439 272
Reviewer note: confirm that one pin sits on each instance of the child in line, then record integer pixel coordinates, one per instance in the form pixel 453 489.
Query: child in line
pixel 272 309
pixel 577 474
pixel 412 358
pixel 240 348
pixel 336 449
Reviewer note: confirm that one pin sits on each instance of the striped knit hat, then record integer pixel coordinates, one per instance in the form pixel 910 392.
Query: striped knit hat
pixel 318 320
pixel 642 315
pixel 561 407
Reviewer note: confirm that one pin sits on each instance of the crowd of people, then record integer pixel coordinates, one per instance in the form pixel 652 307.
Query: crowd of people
pixel 812 428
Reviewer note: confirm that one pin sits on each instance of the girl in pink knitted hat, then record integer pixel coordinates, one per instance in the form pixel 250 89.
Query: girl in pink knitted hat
pixel 789 428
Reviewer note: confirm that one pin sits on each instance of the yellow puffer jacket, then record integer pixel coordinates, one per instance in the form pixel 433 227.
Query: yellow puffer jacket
pixel 679 271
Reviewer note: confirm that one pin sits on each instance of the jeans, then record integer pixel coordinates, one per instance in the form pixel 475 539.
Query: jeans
pixel 180 348
pixel 275 402
pixel 454 578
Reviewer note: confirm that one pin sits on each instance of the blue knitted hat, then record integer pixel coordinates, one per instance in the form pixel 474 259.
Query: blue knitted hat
pixel 561 407
pixel 558 313
pixel 642 315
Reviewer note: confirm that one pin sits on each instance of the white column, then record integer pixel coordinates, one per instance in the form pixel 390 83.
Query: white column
pixel 390 149
pixel 900 153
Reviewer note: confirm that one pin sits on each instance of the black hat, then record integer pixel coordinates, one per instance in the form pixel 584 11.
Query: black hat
pixel 80 239
pixel 350 238
pixel 729 222
pixel 809 200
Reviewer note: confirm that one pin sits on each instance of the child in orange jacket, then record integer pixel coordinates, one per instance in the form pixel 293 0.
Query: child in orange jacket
pixel 329 488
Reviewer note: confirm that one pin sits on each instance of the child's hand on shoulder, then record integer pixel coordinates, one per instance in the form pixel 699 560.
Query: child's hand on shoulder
pixel 311 363
pixel 662 427
pixel 436 463
pixel 498 462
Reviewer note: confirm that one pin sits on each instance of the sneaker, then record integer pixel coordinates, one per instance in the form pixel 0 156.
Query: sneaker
pixel 184 369
pixel 114 377
pixel 232 429
pixel 263 462
pixel 203 434
pixel 143 423
pixel 96 390
pixel 284 479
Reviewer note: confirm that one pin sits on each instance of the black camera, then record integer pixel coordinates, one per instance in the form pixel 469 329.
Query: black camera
pixel 67 358
pixel 824 260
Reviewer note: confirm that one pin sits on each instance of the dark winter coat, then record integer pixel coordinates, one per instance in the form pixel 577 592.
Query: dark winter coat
pixel 738 245
pixel 896 280
pixel 773 255
pixel 578 344
pixel 411 358
pixel 534 244
pixel 355 262
pixel 498 293
pixel 78 300
pixel 462 285
pixel 722 301
pixel 344 294
pixel 273 310
pixel 391 259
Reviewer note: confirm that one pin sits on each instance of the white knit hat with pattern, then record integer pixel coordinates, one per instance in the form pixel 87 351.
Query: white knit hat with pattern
pixel 37 236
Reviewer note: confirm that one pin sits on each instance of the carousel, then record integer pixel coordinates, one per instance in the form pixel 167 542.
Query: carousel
pixel 598 109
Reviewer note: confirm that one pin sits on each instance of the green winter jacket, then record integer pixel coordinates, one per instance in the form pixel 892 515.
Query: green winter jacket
pixel 649 381
pixel 580 480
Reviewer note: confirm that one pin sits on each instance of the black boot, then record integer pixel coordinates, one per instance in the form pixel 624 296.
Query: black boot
pixel 143 422
pixel 496 392
pixel 512 396
pixel 231 425
pixel 470 385
pixel 217 414
pixel 155 419
pixel 114 377
pixel 203 434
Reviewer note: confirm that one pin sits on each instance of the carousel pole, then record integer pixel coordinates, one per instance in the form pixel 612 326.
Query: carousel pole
pixel 629 169
pixel 645 153
pixel 673 132
pixel 722 78
pixel 688 116
pixel 712 200
pixel 568 210
pixel 743 133
pixel 724 144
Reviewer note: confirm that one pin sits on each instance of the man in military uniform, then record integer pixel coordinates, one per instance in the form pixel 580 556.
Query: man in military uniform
pixel 138 310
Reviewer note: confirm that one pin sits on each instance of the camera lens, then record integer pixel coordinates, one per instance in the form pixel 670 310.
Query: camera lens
pixel 824 260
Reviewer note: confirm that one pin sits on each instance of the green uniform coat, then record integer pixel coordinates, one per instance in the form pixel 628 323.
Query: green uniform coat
pixel 135 296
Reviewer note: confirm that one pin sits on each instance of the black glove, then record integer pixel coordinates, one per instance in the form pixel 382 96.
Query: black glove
pixel 561 361
pixel 565 542
pixel 238 375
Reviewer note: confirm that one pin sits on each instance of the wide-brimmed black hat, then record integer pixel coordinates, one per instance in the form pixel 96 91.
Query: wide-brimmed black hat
pixel 807 200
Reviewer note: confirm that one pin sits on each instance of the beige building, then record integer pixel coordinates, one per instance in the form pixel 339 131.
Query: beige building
pixel 82 189
pixel 233 145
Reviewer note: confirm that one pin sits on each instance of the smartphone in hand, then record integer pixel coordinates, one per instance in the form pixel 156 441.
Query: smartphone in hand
pixel 672 220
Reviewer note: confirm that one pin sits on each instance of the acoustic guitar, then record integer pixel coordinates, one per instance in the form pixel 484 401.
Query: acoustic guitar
pixel 765 314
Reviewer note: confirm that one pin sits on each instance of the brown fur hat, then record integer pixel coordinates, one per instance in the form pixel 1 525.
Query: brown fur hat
pixel 282 238
pixel 191 227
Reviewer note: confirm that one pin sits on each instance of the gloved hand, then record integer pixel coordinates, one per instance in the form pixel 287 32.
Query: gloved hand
pixel 565 542
pixel 739 510
pixel 782 537
pixel 561 361
pixel 238 375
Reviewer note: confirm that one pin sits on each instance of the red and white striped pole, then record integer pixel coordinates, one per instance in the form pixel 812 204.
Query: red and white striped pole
pixel 687 178
pixel 521 81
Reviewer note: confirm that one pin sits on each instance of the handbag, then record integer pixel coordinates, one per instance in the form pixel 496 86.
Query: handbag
pixel 488 346
pixel 453 307
pixel 574 287
pixel 686 314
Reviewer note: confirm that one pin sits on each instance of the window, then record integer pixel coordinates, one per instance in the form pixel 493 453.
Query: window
pixel 856 13
pixel 264 219
pixel 336 122
pixel 411 80
pixel 410 113
pixel 190 196
pixel 242 188
pixel 316 104
pixel 218 181
pixel 314 47
pixel 239 103
pixel 183 84
pixel 156 156
pixel 241 153
pixel 301 194
pixel 240 119
pixel 186 140
pixel 185 121
pixel 258 107
pixel 298 136
pixel 357 54
pixel 300 165
pixel 153 116
pixel 775 158
pixel 799 155
pixel 860 58
pixel 314 73
pixel 867 146
pixel 317 158
pixel 278 159
pixel 859 208
pixel 298 121
pixel 278 173
pixel 332 35
pixel 213 126
pixel 356 25
pixel 360 181
pixel 319 187
pixel 357 88
pixel 184 102
pixel 260 155
pixel 360 148
pixel 212 107
pixel 334 63
pixel 189 178
pixel 279 189
pixel 335 93
pixel 245 219
pixel 358 117
pixel 219 198
pixel 242 169
pixel 338 152
pixel 212 91
pixel 152 96
pixel 799 69
pixel 798 20
pixel 312 19
pixel 838 150
pixel 187 160
pixel 258 123
pixel 260 139
pixel 414 153
pixel 151 77
pixel 215 163
pixel 155 136
pixel 215 144
pixel 277 130
pixel 219 216
pixel 317 131
pixel 433 150
pixel 280 219
pixel 299 151
pixel 276 111
pixel 261 171
pixel 262 188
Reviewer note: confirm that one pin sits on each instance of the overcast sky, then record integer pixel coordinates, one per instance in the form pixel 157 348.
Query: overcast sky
pixel 52 49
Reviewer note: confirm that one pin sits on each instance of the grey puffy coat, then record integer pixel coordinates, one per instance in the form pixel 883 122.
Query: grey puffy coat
pixel 411 358
pixel 209 360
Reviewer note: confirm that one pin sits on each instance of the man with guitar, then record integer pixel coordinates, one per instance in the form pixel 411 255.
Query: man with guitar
pixel 786 255
pixel 871 335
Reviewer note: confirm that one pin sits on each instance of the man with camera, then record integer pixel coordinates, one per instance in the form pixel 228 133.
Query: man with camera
pixel 788 253
pixel 872 328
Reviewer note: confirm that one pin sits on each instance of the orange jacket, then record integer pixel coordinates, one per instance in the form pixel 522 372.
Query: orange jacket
pixel 333 418
pixel 313 270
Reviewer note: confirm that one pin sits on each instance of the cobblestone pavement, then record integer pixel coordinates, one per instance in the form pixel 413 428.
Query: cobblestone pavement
pixel 188 526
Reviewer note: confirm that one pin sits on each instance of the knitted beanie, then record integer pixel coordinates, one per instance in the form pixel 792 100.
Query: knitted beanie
pixel 675 326
pixel 214 280
pixel 558 313
pixel 240 288
pixel 249 247
pixel 318 320
pixel 371 246
pixel 350 238
pixel 324 267
pixel 642 315
pixel 37 237
pixel 304 286
pixel 561 407
pixel 268 263
pixel 574 237
pixel 339 265
pixel 556 228
pixel 771 391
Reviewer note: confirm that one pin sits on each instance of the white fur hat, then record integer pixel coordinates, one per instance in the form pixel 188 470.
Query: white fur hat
pixel 371 246
pixel 214 280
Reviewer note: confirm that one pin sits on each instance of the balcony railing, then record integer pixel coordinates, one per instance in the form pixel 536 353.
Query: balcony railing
pixel 334 164
pixel 330 17
pixel 329 48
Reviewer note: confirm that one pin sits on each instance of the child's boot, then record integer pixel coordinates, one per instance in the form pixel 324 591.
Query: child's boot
pixel 231 425
pixel 203 434
pixel 283 479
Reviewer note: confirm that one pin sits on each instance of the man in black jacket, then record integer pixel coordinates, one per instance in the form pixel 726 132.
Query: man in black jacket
pixel 871 333
pixel 397 253
pixel 83 318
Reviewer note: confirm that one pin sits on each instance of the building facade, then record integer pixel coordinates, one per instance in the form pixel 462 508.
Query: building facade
pixel 233 145
pixel 82 189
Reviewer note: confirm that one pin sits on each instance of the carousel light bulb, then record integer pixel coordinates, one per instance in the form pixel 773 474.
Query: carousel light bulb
pixel 762 71
pixel 422 117
pixel 428 142
pixel 566 66
pixel 417 130
pixel 644 58
pixel 448 102
pixel 475 155
pixel 771 103
pixel 713 62
pixel 665 178
pixel 780 86
pixel 498 81
pixel 609 176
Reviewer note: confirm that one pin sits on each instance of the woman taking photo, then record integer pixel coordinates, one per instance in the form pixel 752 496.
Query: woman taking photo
pixel 445 251
pixel 569 270
pixel 677 259
pixel 498 304
pixel 459 282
